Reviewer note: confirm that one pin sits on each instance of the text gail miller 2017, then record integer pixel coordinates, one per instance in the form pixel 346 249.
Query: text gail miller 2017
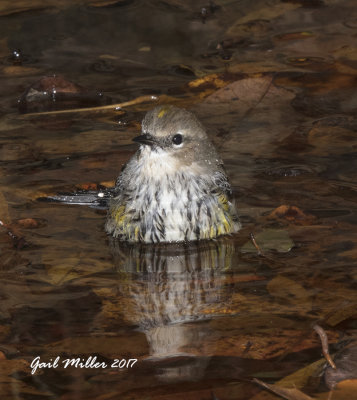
pixel 90 362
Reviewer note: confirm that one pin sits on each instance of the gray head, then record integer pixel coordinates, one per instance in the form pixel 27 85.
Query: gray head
pixel 178 133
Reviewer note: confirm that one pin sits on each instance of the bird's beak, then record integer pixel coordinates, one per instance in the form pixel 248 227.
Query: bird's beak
pixel 144 139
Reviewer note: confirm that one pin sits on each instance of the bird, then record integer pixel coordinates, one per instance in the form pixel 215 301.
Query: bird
pixel 174 188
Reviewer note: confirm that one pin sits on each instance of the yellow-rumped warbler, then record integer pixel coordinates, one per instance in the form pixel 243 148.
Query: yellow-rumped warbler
pixel 174 188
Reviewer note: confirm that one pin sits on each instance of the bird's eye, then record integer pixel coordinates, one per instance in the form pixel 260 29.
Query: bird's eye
pixel 177 139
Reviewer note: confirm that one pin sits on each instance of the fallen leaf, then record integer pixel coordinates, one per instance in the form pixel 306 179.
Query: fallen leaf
pixel 342 312
pixel 292 214
pixel 289 394
pixel 270 239
pixel 31 223
pixel 18 70
pixel 290 291
pixel 345 390
pixel 4 210
pixel 106 3
pixel 214 80
pixel 10 386
pixel 331 140
pixel 268 12
pixel 346 366
pixel 294 36
pixel 56 92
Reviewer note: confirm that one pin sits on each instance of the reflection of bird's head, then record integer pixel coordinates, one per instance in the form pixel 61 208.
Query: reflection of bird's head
pixel 177 132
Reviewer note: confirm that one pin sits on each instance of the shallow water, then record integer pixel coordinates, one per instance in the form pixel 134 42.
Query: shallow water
pixel 279 100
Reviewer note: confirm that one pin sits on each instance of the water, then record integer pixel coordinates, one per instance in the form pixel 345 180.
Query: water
pixel 199 318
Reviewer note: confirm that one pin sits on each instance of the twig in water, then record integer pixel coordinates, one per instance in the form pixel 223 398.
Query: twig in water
pixel 117 106
pixel 324 344
pixel 252 238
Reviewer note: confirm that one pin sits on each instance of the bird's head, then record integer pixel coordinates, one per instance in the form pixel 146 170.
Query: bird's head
pixel 176 133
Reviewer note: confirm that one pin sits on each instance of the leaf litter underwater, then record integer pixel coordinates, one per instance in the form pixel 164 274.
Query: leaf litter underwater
pixel 274 83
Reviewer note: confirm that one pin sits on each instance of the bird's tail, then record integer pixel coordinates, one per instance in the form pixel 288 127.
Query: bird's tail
pixel 91 198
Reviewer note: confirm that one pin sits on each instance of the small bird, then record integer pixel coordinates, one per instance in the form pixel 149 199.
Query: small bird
pixel 174 188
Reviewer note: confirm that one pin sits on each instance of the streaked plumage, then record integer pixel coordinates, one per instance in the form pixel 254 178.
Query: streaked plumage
pixel 172 191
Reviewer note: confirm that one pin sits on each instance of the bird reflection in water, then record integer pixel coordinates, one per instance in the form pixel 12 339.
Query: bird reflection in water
pixel 169 286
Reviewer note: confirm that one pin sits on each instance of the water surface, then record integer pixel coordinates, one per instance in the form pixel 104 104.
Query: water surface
pixel 274 82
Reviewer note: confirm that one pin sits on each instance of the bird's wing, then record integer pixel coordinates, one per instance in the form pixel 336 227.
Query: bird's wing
pixel 222 185
pixel 119 183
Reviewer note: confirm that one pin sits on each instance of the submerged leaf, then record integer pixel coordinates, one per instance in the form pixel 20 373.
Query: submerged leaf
pixel 292 214
pixel 270 239
pixel 289 394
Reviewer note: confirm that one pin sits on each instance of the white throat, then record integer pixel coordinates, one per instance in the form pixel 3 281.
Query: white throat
pixel 156 163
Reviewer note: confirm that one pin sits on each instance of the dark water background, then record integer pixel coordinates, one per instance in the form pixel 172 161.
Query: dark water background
pixel 274 82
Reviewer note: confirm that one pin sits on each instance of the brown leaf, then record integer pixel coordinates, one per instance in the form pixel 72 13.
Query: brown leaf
pixel 331 140
pixel 346 366
pixel 4 210
pixel 215 81
pixel 267 12
pixel 343 311
pixel 11 368
pixel 31 223
pixel 291 292
pixel 298 379
pixel 256 344
pixel 292 214
pixel 105 3
pixel 294 36
pixel 289 394
pixel 269 239
pixel 14 70
pixel 346 390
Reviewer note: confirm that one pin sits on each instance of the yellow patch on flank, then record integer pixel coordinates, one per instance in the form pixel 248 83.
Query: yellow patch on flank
pixel 119 215
pixel 227 225
pixel 223 201
pixel 162 112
